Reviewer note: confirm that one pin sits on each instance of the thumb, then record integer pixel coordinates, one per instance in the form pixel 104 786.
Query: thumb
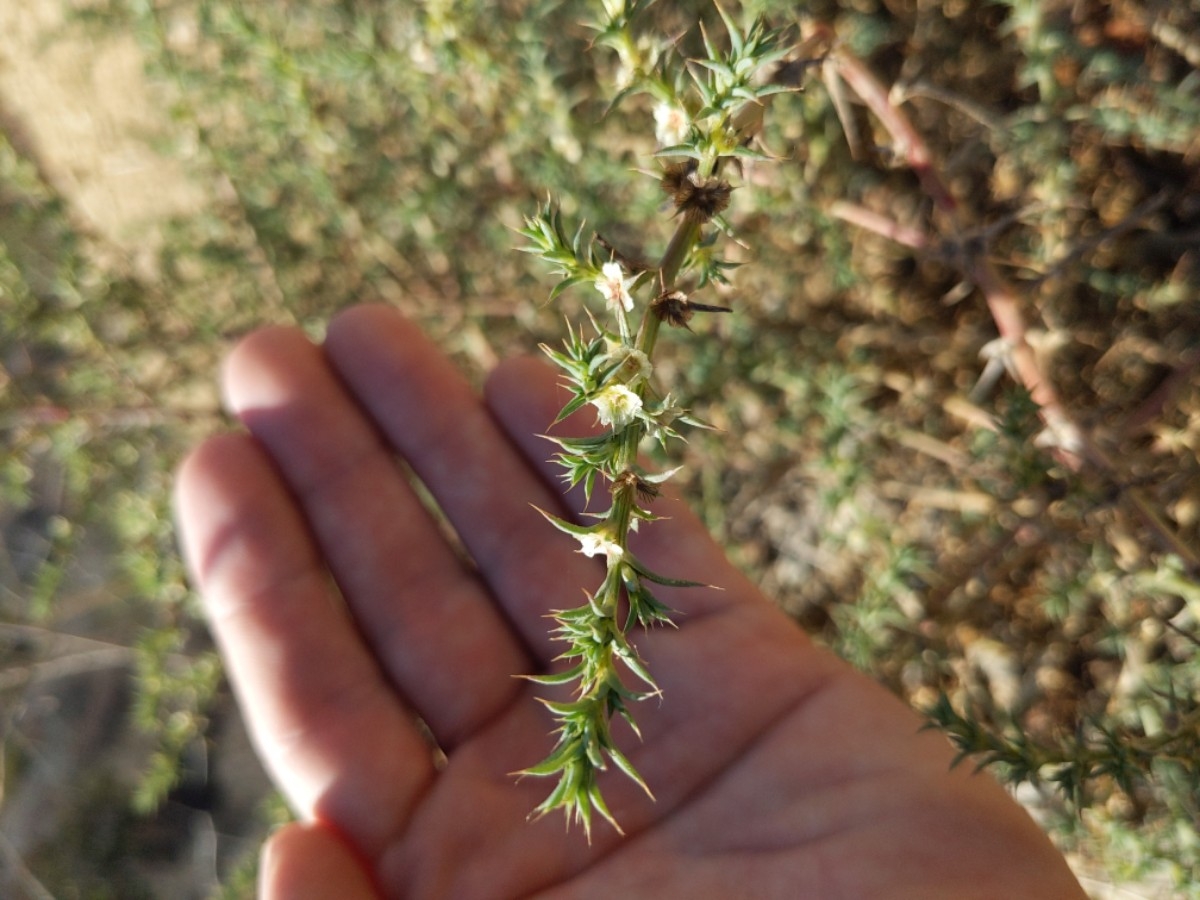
pixel 311 861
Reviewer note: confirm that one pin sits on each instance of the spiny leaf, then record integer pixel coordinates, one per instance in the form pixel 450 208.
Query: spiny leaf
pixel 619 759
pixel 567 527
pixel 555 762
pixel 576 403
pixel 645 572
pixel 597 801
pixel 565 677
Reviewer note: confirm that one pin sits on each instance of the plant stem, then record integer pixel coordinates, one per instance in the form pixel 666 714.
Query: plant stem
pixel 672 260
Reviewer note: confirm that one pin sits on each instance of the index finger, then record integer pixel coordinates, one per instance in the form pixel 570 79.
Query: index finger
pixel 431 416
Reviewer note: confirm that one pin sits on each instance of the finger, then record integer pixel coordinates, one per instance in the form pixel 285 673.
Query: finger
pixel 426 617
pixel 309 861
pixel 433 418
pixel 325 721
pixel 523 396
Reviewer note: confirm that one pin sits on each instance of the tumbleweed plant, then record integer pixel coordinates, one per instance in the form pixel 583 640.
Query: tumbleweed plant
pixel 707 112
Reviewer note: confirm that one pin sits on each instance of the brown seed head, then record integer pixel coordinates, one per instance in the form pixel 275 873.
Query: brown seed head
pixel 673 308
pixel 625 483
pixel 699 199
pixel 646 491
pixel 630 482
pixel 676 175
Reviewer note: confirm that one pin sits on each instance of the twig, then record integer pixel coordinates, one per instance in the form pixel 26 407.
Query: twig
pixel 1152 407
pixel 70 654
pixel 116 418
pixel 1146 208
pixel 910 146
pixel 66 666
pixel 903 91
pixel 1072 446
pixel 1068 438
pixel 905 235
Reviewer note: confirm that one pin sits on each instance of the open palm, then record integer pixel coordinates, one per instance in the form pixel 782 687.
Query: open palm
pixel 365 642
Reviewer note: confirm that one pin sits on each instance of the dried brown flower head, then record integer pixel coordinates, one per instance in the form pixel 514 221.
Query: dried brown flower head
pixel 674 308
pixel 630 482
pixel 699 199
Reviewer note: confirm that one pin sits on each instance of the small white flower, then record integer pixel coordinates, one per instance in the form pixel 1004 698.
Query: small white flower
pixel 632 366
pixel 595 543
pixel 671 124
pixel 616 406
pixel 613 284
pixel 614 8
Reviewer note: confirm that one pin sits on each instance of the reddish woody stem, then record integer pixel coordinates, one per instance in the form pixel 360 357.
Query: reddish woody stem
pixel 1073 446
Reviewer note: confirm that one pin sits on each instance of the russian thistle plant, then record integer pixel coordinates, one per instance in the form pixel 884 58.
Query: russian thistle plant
pixel 707 112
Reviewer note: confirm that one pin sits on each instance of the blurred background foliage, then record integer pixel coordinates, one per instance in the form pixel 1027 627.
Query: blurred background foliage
pixel 881 478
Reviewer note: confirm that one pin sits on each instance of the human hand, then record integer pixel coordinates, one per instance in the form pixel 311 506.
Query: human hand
pixel 344 613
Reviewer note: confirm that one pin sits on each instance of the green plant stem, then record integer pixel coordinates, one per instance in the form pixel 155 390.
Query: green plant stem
pixel 647 338
pixel 672 261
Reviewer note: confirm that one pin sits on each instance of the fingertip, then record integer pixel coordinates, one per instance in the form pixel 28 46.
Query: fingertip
pixel 251 373
pixel 360 316
pixel 207 457
pixel 311 861
pixel 366 323
pixel 194 494
pixel 524 391
pixel 385 360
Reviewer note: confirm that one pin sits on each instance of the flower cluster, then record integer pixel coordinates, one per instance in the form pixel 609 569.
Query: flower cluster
pixel 710 110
